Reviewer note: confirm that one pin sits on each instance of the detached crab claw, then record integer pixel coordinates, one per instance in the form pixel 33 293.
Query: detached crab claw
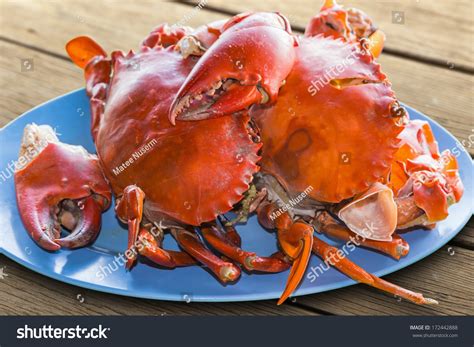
pixel 59 184
pixel 247 64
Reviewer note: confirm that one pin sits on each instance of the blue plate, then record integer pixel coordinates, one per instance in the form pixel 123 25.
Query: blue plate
pixel 96 267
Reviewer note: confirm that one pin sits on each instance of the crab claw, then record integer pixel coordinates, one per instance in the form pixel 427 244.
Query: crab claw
pixel 82 49
pixel 297 243
pixel 59 184
pixel 434 192
pixel 246 65
pixel 428 178
pixel 372 215
pixel 348 24
pixel 330 21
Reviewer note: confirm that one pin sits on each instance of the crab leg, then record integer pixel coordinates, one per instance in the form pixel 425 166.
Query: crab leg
pixel 82 49
pixel 252 262
pixel 130 210
pixel 230 232
pixel 90 56
pixel 327 253
pixel 189 241
pixel 150 247
pixel 326 224
pixel 295 238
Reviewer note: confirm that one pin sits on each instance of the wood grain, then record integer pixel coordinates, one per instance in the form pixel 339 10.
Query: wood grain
pixel 442 276
pixel 23 292
pixel 466 237
pixel 441 31
pixel 116 25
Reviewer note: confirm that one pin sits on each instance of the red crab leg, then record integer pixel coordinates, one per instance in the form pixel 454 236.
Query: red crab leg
pixel 130 210
pixel 90 56
pixel 347 267
pixel 326 224
pixel 189 241
pixel 82 49
pixel 230 232
pixel 150 248
pixel 295 239
pixel 252 262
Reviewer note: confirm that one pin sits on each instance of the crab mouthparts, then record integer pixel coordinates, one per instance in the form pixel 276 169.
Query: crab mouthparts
pixel 224 97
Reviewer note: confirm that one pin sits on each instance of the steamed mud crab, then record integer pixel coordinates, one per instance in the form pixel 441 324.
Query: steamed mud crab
pixel 244 116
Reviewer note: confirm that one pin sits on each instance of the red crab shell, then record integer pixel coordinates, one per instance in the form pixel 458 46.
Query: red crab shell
pixel 324 135
pixel 190 172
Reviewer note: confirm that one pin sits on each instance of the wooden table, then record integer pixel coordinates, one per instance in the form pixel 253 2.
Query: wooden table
pixel 428 58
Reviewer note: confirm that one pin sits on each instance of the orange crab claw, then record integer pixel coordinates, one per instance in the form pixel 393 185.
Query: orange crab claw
pixel 301 255
pixel 60 184
pixel 420 171
pixel 82 49
pixel 348 24
pixel 433 193
pixel 330 21
pixel 246 65
pixel 295 239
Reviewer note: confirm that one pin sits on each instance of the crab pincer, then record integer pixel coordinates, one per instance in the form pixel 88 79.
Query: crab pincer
pixel 59 185
pixel 246 65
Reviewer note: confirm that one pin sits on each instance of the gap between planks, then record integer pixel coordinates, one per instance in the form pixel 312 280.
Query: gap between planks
pixel 387 50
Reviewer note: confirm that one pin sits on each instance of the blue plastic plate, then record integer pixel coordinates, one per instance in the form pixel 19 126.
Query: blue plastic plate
pixel 96 268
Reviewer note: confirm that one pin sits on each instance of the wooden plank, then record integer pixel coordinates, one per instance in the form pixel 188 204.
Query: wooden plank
pixel 442 94
pixel 440 31
pixel 466 237
pixel 22 88
pixel 442 276
pixel 23 292
pixel 114 24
